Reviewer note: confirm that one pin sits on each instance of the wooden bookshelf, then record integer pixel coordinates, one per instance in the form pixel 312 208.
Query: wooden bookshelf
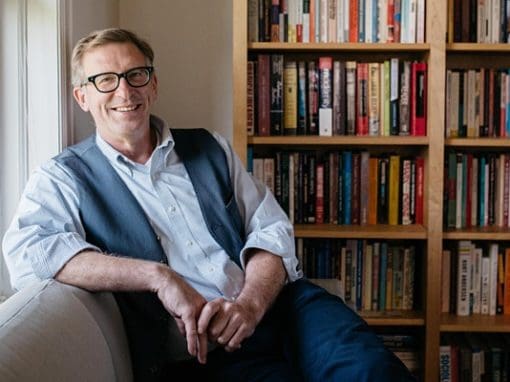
pixel 428 236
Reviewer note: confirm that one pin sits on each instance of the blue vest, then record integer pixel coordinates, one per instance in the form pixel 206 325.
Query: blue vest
pixel 115 222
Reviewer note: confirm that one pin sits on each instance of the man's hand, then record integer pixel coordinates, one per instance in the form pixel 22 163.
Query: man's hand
pixel 185 304
pixel 228 323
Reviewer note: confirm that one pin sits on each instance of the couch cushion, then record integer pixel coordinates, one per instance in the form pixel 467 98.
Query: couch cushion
pixel 55 332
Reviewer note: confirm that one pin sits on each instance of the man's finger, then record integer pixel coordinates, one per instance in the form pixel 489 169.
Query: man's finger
pixel 207 313
pixel 191 335
pixel 202 348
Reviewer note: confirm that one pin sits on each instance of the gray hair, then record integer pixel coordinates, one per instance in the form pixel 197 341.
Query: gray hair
pixel 104 37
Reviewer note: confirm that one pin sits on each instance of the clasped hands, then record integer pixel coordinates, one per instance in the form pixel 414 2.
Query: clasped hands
pixel 220 321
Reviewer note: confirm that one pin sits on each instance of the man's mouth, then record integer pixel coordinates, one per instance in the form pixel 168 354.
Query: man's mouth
pixel 126 108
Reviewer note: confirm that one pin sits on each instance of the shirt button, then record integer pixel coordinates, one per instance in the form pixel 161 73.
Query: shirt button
pixel 158 238
pixel 172 209
pixel 189 243
pixel 211 269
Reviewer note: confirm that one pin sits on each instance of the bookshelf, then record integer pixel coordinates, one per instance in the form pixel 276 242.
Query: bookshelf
pixel 426 318
pixel 463 53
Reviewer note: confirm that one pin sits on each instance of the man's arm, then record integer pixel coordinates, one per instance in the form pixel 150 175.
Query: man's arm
pixel 95 271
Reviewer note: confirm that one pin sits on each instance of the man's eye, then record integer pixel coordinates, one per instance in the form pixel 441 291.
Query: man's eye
pixel 106 79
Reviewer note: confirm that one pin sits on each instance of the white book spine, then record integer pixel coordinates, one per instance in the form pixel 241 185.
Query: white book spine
pixel 413 11
pixel 463 278
pixel 493 278
pixel 485 287
pixel 477 279
pixel 420 22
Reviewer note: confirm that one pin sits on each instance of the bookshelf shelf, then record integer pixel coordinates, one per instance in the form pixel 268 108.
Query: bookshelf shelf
pixel 475 323
pixel 338 47
pixel 478 233
pixel 476 47
pixel 380 231
pixel 306 140
pixel 394 318
pixel 478 142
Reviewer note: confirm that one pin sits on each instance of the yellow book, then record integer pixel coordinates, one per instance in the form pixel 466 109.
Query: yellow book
pixel 290 98
pixel 394 190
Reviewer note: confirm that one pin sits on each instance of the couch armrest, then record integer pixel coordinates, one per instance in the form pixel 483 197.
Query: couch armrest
pixel 55 332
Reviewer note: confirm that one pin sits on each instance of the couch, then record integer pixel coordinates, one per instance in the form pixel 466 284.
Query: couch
pixel 55 332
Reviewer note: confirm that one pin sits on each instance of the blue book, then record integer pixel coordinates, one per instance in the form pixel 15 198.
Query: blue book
pixel 347 184
pixel 249 159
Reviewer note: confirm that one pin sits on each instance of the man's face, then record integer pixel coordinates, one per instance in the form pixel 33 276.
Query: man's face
pixel 124 112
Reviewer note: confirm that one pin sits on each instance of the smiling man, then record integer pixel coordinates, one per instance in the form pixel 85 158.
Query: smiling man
pixel 199 255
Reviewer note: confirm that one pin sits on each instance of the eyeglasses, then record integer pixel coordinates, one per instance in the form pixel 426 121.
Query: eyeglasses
pixel 109 81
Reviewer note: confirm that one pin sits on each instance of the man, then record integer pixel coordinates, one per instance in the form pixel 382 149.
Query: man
pixel 199 255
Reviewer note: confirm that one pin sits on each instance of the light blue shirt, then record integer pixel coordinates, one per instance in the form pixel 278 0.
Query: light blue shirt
pixel 46 230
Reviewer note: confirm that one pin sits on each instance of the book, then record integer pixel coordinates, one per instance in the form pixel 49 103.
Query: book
pixel 276 83
pixel 290 98
pixel 263 92
pixel 394 190
pixel 325 96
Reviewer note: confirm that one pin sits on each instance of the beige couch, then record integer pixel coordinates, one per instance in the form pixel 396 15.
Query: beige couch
pixel 54 332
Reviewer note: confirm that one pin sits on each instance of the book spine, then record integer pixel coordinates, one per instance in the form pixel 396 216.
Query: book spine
pixel 463 278
pixel 276 111
pixel 313 99
pixel 290 98
pixel 325 98
pixel 362 98
pixel 263 104
pixel 394 189
pixel 302 108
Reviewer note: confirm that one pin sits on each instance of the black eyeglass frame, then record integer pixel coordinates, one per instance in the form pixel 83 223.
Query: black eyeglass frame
pixel 124 75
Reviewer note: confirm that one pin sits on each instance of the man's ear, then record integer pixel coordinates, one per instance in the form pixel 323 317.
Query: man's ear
pixel 81 98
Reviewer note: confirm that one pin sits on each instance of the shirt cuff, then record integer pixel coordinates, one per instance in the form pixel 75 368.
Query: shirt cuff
pixel 278 247
pixel 52 253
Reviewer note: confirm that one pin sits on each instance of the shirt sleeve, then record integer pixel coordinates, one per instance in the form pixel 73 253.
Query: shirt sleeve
pixel 46 231
pixel 266 224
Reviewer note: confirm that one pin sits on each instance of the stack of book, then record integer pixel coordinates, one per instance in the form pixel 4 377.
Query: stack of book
pixel 336 21
pixel 347 187
pixel 374 276
pixel 333 97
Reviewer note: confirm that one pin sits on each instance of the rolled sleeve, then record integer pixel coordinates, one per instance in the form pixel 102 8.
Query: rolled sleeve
pixel 46 231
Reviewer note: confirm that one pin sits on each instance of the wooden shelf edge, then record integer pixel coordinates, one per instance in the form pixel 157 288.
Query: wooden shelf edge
pixel 475 323
pixel 381 231
pixel 342 47
pixel 476 47
pixel 479 233
pixel 338 140
pixel 477 142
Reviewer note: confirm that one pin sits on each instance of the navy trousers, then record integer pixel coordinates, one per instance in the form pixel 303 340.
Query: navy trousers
pixel 308 335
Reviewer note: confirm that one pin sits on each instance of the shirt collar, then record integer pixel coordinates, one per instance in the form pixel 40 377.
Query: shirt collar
pixel 165 142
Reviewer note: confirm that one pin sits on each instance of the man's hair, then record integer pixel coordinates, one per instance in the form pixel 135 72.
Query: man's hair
pixel 104 37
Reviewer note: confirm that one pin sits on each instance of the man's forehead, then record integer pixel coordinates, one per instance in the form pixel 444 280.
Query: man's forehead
pixel 113 54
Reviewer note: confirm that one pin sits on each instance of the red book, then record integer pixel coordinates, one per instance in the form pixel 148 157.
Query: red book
pixel 420 173
pixel 418 99
pixel 319 193
pixel 390 21
pixel 362 101
pixel 353 21
pixel 263 96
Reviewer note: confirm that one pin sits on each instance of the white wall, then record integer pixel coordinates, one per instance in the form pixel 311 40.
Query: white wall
pixel 9 174
pixel 85 16
pixel 192 41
